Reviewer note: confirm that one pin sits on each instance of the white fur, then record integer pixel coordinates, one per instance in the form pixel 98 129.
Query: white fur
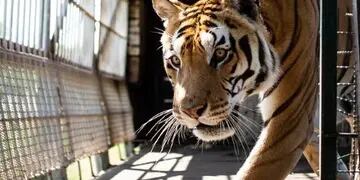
pixel 219 134
pixel 177 44
pixel 180 92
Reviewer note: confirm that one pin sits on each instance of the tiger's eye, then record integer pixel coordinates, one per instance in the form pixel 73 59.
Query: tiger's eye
pixel 175 61
pixel 220 54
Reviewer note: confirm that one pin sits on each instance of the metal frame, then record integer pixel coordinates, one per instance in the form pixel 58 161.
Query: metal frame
pixel 328 58
pixel 77 90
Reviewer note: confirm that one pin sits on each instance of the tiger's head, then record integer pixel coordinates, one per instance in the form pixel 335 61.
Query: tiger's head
pixel 216 55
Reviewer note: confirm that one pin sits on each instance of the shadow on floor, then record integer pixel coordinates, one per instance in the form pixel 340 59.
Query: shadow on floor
pixel 217 162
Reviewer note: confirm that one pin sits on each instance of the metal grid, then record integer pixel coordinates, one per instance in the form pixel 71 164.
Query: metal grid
pixel 347 97
pixel 84 112
pixel 119 111
pixel 52 102
pixel 51 114
pixel 30 130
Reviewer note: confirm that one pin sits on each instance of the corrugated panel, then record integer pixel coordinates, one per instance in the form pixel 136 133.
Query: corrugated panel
pixel 30 130
pixel 87 5
pixel 25 24
pixel 113 54
pixel 114 14
pixel 113 37
pixel 75 42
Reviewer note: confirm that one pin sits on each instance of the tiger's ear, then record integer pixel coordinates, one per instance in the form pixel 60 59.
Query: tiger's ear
pixel 250 8
pixel 166 9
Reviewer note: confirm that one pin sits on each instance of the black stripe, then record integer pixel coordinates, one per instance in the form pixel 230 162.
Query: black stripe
pixel 233 43
pixel 285 105
pixel 192 11
pixel 213 9
pixel 213 16
pixel 213 34
pixel 273 59
pixel 245 47
pixel 263 68
pixel 277 83
pixel 182 30
pixel 221 41
pixel 209 24
pixel 261 52
pixel 233 69
pixel 294 36
pixel 299 109
pixel 192 16
pixel 230 24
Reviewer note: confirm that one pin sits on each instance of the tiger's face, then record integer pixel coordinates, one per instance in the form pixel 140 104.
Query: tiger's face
pixel 215 57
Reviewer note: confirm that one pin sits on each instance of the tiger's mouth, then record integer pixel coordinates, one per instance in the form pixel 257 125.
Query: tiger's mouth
pixel 213 133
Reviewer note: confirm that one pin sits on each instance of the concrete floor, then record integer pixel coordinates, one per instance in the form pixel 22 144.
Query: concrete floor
pixel 216 163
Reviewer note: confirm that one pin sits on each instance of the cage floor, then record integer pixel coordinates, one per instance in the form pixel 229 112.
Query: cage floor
pixel 217 163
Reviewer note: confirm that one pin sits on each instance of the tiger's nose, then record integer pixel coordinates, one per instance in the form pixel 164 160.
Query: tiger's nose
pixel 195 112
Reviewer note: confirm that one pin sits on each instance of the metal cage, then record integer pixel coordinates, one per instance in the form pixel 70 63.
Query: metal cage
pixel 57 104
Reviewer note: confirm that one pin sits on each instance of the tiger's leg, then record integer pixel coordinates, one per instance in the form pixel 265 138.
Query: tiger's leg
pixel 312 151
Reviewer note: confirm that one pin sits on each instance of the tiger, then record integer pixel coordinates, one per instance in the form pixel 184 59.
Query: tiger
pixel 217 53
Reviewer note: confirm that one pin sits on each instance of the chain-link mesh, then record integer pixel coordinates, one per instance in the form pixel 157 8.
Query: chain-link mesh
pixel 51 114
pixel 84 112
pixel 119 111
pixel 52 102
pixel 30 130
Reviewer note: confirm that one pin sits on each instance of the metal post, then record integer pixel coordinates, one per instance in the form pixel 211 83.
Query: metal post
pixel 328 57
pixel 355 30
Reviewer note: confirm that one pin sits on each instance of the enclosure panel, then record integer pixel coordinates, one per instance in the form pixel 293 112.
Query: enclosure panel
pixel 83 112
pixel 114 14
pixel 75 35
pixel 112 53
pixel 80 92
pixel 113 37
pixel 119 111
pixel 125 104
pixel 24 23
pixel 30 127
pixel 87 5
pixel 88 135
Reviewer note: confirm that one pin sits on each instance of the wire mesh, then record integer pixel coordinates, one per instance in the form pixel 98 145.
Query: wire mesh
pixel 347 97
pixel 52 106
pixel 119 111
pixel 83 111
pixel 30 130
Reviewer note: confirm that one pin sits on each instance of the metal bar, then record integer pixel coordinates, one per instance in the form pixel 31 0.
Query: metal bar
pixel 355 29
pixel 351 135
pixel 328 58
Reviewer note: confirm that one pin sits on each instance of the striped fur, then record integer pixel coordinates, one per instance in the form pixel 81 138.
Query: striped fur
pixel 210 82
